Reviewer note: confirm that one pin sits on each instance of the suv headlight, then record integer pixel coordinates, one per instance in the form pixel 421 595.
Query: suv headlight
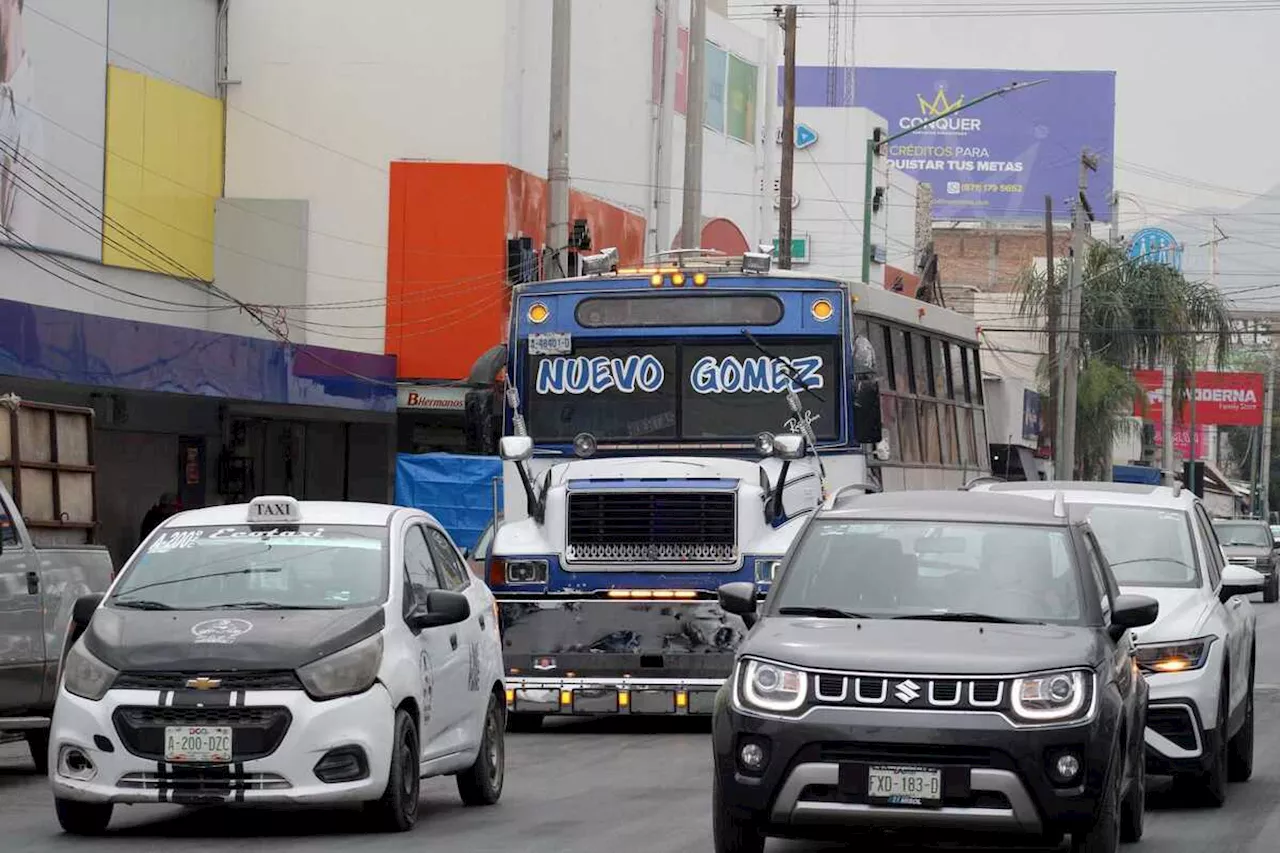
pixel 1175 657
pixel 1052 697
pixel 772 687
pixel 86 676
pixel 344 673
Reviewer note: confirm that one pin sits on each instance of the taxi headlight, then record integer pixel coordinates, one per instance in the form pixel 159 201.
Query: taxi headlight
pixel 344 673
pixel 771 687
pixel 1052 697
pixel 86 676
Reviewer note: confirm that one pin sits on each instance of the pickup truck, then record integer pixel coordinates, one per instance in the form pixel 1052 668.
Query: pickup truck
pixel 47 559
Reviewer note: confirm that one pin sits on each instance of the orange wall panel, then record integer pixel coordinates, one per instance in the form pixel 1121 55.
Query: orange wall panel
pixel 446 266
pixel 447 295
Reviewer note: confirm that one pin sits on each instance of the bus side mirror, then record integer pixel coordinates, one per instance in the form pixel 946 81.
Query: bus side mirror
pixel 867 426
pixel 515 448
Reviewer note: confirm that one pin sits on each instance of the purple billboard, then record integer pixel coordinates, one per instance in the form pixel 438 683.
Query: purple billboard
pixel 998 160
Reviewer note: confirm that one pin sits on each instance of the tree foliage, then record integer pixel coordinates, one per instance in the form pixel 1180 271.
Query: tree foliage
pixel 1133 315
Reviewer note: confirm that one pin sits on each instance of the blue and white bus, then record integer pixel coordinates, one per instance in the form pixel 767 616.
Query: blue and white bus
pixel 667 431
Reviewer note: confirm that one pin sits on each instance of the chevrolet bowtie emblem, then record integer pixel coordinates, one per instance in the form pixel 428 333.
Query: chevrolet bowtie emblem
pixel 204 683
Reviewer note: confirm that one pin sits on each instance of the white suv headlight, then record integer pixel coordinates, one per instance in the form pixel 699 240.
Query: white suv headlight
pixel 86 676
pixel 344 673
pixel 772 687
pixel 1052 697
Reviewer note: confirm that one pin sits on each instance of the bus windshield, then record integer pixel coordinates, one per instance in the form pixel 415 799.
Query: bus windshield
pixel 699 389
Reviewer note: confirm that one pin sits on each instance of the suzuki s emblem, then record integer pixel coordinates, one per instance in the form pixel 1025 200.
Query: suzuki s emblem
pixel 204 683
pixel 907 692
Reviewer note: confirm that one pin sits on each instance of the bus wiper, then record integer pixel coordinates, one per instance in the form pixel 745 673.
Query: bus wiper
pixel 821 612
pixel 785 364
pixel 141 604
pixel 969 616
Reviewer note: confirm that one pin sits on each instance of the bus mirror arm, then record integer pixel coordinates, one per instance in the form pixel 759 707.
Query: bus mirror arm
pixel 537 508
pixel 773 509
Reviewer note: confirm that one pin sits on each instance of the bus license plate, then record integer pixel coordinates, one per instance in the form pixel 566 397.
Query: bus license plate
pixel 200 744
pixel 550 343
pixel 909 786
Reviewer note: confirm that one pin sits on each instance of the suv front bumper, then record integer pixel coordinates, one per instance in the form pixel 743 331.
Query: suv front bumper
pixel 996 776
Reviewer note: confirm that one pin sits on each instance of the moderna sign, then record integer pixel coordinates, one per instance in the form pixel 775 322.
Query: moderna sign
pixel 1225 399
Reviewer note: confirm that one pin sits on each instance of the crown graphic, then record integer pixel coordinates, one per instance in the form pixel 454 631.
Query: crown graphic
pixel 939 105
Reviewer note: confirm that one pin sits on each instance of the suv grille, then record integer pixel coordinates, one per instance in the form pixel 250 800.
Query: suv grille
pixel 652 527
pixel 247 680
pixel 946 694
pixel 256 731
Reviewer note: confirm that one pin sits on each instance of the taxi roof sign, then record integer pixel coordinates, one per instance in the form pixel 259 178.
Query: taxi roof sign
pixel 274 509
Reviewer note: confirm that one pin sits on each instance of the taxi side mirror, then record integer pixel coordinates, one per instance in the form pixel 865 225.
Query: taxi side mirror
pixel 443 608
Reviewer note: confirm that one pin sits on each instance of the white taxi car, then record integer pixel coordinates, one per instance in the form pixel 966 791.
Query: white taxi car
pixel 282 651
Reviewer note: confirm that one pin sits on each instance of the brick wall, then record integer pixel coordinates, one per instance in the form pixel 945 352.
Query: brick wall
pixel 989 259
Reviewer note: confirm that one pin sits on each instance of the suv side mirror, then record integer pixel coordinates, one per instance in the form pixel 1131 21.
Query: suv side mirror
pixel 1132 611
pixel 81 612
pixel 739 599
pixel 867 427
pixel 443 608
pixel 1238 580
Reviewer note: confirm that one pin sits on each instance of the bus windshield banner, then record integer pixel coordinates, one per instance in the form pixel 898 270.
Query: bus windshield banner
pixel 683 391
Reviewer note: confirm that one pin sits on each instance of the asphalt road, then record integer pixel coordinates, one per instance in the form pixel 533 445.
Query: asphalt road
pixel 584 787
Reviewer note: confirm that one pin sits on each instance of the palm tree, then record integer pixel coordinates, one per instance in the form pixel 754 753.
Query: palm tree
pixel 1133 315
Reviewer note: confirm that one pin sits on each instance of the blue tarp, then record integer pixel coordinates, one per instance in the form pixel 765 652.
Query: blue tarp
pixel 456 489
pixel 1135 474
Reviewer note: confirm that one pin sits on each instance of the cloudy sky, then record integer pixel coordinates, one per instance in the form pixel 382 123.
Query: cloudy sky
pixel 1197 99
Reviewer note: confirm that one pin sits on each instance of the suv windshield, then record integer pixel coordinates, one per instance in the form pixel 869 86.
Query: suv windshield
pixel 296 568
pixel 1253 533
pixel 933 570
pixel 1146 546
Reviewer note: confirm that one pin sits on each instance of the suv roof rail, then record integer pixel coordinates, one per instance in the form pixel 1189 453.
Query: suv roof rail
pixel 862 487
pixel 985 478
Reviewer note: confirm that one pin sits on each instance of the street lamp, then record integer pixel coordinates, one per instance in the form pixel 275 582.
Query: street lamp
pixel 871 153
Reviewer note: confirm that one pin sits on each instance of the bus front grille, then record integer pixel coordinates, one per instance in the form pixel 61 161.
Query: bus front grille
pixel 652 527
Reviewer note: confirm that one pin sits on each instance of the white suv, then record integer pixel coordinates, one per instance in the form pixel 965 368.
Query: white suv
pixel 1198 656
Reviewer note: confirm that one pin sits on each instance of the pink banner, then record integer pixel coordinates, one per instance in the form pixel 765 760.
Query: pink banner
pixel 1182 440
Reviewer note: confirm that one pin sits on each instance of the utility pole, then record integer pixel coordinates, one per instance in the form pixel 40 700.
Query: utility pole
pixel 1053 301
pixel 1216 236
pixel 557 243
pixel 666 118
pixel 787 178
pixel 1167 416
pixel 1115 217
pixel 1268 398
pixel 1066 459
pixel 695 118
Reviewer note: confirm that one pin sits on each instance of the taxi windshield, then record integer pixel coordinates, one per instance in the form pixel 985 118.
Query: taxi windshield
pixel 298 567
pixel 1251 533
pixel 924 570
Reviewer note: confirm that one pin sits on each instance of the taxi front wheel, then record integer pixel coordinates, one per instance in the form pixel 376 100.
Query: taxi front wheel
pixel 481 783
pixel 77 818
pixel 397 810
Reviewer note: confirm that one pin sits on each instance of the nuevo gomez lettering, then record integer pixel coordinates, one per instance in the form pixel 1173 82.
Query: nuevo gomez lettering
pixel 580 374
pixel 731 375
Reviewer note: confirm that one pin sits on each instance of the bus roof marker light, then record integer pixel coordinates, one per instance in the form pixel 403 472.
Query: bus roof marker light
pixel 538 313
pixel 757 262
pixel 699 279
pixel 822 310
pixel 677 279
pixel 655 280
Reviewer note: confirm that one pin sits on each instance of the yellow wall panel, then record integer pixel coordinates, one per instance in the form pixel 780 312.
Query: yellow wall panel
pixel 163 175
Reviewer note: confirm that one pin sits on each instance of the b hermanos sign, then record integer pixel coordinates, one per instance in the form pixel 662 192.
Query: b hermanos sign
pixel 1226 399
pixel 431 398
